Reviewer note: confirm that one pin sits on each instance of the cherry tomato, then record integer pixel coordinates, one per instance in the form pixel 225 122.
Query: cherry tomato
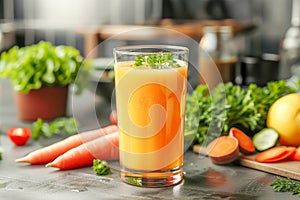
pixel 113 117
pixel 19 136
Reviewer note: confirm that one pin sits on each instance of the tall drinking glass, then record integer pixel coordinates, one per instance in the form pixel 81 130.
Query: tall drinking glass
pixel 150 88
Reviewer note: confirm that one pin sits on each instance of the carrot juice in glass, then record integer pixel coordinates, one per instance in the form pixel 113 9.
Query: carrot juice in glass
pixel 150 88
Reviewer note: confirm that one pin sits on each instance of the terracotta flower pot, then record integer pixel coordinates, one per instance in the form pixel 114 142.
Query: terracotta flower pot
pixel 46 103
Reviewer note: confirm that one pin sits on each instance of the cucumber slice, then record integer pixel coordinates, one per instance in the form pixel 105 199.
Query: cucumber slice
pixel 265 139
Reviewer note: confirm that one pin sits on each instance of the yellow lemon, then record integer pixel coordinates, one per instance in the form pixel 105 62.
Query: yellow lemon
pixel 284 117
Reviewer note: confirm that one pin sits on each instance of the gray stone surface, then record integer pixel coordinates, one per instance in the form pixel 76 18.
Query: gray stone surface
pixel 202 179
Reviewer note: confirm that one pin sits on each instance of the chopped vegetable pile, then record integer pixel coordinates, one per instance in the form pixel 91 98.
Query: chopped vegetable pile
pixel 61 125
pixel 213 114
pixel 101 167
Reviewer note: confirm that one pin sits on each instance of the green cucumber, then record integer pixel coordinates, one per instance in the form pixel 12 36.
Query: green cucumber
pixel 265 139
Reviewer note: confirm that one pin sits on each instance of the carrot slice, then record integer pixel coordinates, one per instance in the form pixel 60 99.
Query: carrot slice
pixel 270 153
pixel 275 154
pixel 295 155
pixel 245 143
pixel 49 153
pixel 223 150
pixel 288 152
pixel 103 148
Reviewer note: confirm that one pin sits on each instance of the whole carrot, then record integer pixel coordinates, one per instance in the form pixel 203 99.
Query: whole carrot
pixel 103 148
pixel 49 153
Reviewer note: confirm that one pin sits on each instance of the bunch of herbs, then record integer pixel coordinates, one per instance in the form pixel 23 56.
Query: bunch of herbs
pixel 212 114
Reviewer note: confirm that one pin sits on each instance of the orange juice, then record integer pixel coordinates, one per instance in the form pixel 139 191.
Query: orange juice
pixel 151 108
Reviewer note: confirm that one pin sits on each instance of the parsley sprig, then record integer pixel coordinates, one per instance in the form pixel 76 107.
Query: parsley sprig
pixel 162 61
pixel 101 167
pixel 286 185
pixel 59 126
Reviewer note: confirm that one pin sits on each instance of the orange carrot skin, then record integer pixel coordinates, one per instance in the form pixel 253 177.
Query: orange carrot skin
pixel 282 157
pixel 295 155
pixel 275 154
pixel 49 153
pixel 103 148
pixel 289 151
pixel 270 153
pixel 245 143
pixel 223 150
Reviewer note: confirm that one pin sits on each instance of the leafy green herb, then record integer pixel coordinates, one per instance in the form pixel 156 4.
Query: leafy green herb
pixel 165 60
pixel 101 167
pixel 286 185
pixel 59 126
pixel 0 155
pixel 228 105
pixel 135 181
pixel 40 65
pixel 264 97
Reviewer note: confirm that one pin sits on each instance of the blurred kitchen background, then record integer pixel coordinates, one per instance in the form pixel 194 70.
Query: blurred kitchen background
pixel 68 22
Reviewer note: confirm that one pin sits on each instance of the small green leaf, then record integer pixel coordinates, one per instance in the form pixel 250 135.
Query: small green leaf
pixel 58 126
pixel 37 127
pixel 135 181
pixel 139 61
pixel 101 167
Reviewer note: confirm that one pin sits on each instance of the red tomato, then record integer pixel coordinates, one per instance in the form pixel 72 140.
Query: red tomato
pixel 113 117
pixel 19 136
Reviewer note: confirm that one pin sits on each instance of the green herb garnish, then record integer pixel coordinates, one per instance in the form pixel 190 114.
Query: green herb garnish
pixel 59 126
pixel 135 181
pixel 0 155
pixel 157 61
pixel 229 105
pixel 101 167
pixel 286 185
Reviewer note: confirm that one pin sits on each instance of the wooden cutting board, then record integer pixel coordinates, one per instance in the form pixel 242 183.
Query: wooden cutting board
pixel 290 169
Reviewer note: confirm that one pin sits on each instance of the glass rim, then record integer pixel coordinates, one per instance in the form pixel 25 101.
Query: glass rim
pixel 138 49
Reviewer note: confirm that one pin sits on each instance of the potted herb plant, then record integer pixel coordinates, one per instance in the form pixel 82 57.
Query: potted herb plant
pixel 40 75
